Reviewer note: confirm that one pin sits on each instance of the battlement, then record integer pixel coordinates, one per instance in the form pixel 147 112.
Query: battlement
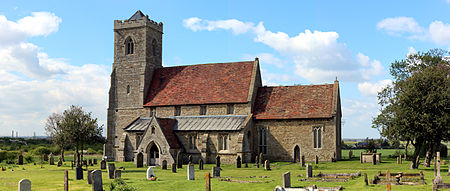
pixel 134 22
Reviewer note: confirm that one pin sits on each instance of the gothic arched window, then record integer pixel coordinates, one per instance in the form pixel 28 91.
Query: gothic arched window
pixel 129 46
pixel 154 46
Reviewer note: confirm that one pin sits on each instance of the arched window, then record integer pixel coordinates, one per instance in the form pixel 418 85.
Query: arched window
pixel 154 47
pixel 129 46
pixel 153 130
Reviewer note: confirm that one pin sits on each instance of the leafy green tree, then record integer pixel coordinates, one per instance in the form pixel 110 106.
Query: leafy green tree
pixel 56 132
pixel 416 107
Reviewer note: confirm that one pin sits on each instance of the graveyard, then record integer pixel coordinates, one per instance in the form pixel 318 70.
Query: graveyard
pixel 347 174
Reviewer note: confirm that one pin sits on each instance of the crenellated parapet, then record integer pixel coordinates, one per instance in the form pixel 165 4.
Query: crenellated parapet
pixel 136 23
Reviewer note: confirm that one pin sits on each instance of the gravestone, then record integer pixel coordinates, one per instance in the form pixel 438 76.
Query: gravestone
pixel 350 154
pixel 388 176
pixel 302 161
pixel 95 161
pixel 309 172
pixel 140 160
pixel 179 160
pixel 90 162
pixel 374 159
pixel 174 167
pixel 103 164
pixel 117 174
pixel 24 185
pixel 111 169
pixel 257 160
pixel 20 160
pixel 60 162
pixel 150 173
pixel 190 172
pixel 208 182
pixel 245 165
pixel 267 165
pixel 164 165
pixel 190 159
pixel 365 179
pixel 97 184
pixel 361 157
pixel 79 173
pixel 216 171
pixel 72 164
pixel 218 161
pixel 238 162
pixel 66 180
pixel 438 179
pixel 287 180
pixel 200 164
pixel 316 160
pixel 52 159
pixel 89 176
pixel 261 161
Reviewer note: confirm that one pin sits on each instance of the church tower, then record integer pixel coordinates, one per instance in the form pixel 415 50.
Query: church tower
pixel 137 53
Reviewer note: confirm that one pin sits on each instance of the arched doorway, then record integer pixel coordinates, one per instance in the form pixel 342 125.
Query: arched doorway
pixel 140 160
pixel 296 153
pixel 153 155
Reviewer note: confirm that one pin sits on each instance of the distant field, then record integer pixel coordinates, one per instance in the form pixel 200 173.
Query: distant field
pixel 51 177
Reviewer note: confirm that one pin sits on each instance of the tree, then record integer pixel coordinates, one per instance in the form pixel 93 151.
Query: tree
pixel 56 132
pixel 416 107
pixel 80 129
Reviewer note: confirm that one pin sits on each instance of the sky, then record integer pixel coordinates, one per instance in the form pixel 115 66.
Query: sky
pixel 54 54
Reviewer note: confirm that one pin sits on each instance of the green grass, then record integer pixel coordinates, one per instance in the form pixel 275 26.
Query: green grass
pixel 52 177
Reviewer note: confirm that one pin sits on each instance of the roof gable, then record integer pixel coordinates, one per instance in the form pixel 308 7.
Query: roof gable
pixel 294 102
pixel 200 84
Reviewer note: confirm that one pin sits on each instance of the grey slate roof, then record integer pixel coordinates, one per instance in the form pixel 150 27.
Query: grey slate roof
pixel 139 124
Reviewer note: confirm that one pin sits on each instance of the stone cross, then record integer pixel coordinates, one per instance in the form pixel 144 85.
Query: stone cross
pixel 179 160
pixel 438 179
pixel 267 165
pixel 164 165
pixel 200 164
pixel 208 182
pixel 309 171
pixel 111 169
pixel 174 167
pixel 117 174
pixel 316 161
pixel 78 173
pixel 89 177
pixel 218 161
pixel 97 184
pixel 350 154
pixel 191 172
pixel 287 180
pixel 103 164
pixel 216 171
pixel 150 172
pixel 238 162
pixel 66 180
pixel 20 160
pixel 24 185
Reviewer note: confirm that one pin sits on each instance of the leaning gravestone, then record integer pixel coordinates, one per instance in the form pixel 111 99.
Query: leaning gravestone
pixel 111 169
pixel 309 172
pixel 97 180
pixel 190 172
pixel 52 159
pixel 117 174
pixel 179 160
pixel 150 173
pixel 20 160
pixel 238 162
pixel 216 171
pixel 174 167
pixel 24 185
pixel 200 164
pixel 103 164
pixel 287 180
pixel 164 165
pixel 266 165
pixel 218 161
pixel 89 177
pixel 79 173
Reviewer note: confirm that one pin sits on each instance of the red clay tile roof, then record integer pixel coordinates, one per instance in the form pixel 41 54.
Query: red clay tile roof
pixel 200 84
pixel 294 102
pixel 167 128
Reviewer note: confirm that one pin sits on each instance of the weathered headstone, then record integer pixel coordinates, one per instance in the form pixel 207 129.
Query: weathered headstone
pixel 174 167
pixel 51 160
pixel 267 165
pixel 164 165
pixel 97 184
pixel 24 185
pixel 216 171
pixel 95 161
pixel 316 160
pixel 400 159
pixel 190 172
pixel 90 162
pixel 245 165
pixel 287 180
pixel 438 179
pixel 89 176
pixel 140 160
pixel 238 162
pixel 350 154
pixel 208 182
pixel 361 157
pixel 111 169
pixel 190 159
pixel 20 160
pixel 60 162
pixel 218 161
pixel 179 160
pixel 388 176
pixel 257 160
pixel 79 173
pixel 66 180
pixel 309 172
pixel 374 159
pixel 103 164
pixel 150 173
pixel 200 164
pixel 365 179
pixel 72 164
pixel 117 174
pixel 302 161
pixel 261 161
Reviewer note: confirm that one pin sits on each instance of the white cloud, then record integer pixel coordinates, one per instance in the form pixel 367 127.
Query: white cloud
pixel 357 118
pixel 440 33
pixel 317 56
pixel 400 24
pixel 372 89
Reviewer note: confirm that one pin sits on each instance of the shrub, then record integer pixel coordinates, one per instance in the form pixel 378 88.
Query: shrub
pixel 9 157
pixel 120 185
pixel 41 150
pixel 28 158
pixel 90 151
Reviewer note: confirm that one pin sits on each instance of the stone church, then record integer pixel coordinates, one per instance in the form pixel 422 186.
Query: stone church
pixel 209 110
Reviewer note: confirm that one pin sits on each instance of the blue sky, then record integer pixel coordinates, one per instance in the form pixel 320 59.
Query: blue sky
pixel 56 53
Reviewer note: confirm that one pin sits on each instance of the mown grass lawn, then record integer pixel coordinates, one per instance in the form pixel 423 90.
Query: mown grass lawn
pixel 52 177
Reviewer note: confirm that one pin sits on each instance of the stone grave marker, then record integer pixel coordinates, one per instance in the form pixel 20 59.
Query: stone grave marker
pixel 66 180
pixel 438 179
pixel 97 184
pixel 24 185
pixel 190 172
pixel 365 179
pixel 245 165
pixel 60 162
pixel 400 159
pixel 287 180
pixel 150 173
pixel 190 159
pixel 267 165
pixel 361 157
pixel 51 160
pixel 257 160
pixel 111 169
pixel 316 160
pixel 200 164
pixel 79 173
pixel 388 176
pixel 95 161
pixel 350 154
pixel 103 164
pixel 374 159
pixel 174 167
pixel 117 174
pixel 216 171
pixel 179 160
pixel 20 160
pixel 208 182
pixel 71 163
pixel 309 171
pixel 89 176
pixel 302 160
pixel 238 162
pixel 140 160
pixel 90 162
pixel 164 165
pixel 261 161
pixel 218 161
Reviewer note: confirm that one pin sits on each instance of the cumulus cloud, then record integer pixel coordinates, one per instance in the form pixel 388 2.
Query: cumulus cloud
pixel 372 89
pixel 318 56
pixel 357 118
pixel 440 33
pixel 400 24
pixel 33 85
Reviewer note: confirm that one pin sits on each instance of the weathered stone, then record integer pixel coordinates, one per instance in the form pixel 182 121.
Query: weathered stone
pixel 361 157
pixel 309 171
pixel 267 165
pixel 216 171
pixel 150 173
pixel 51 160
pixel 78 173
pixel 316 160
pixel 365 179
pixel 179 160
pixel 238 162
pixel 388 176
pixel 257 160
pixel 111 169
pixel 103 164
pixel 218 161
pixel 20 160
pixel 287 180
pixel 245 165
pixel 24 185
pixel 66 180
pixel 89 176
pixel 60 162
pixel 174 167
pixel 200 164
pixel 208 182
pixel 164 165
pixel 140 160
pixel 97 183
pixel 191 172
pixel 302 160
pixel 117 174
pixel 261 161
pixel 190 159
pixel 438 179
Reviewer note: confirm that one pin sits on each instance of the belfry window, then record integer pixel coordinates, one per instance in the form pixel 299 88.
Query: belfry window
pixel 129 46
pixel 317 137
pixel 262 132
